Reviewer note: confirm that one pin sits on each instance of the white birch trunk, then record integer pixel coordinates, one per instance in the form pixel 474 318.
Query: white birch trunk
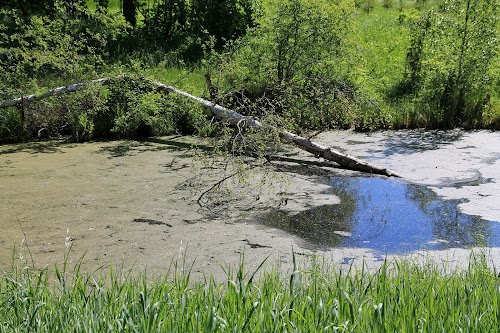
pixel 233 118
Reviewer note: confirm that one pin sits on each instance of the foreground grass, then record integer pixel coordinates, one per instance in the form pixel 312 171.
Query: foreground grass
pixel 400 297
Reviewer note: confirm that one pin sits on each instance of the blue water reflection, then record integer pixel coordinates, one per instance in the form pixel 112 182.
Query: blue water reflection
pixel 386 215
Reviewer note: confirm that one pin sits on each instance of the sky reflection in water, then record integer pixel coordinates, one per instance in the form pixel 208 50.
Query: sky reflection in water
pixel 387 215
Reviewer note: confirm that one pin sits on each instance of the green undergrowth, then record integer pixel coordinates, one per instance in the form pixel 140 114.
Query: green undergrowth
pixel 128 107
pixel 314 64
pixel 401 296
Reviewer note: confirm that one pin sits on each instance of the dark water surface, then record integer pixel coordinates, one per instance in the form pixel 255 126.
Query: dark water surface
pixel 387 215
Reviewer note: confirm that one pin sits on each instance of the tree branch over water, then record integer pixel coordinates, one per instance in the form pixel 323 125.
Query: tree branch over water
pixel 234 119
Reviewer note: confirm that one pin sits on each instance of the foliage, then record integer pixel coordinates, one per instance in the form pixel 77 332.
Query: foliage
pixel 184 27
pixel 127 108
pixel 223 19
pixel 401 296
pixel 449 61
pixel 289 64
pixel 29 7
pixel 387 3
pixel 306 64
pixel 130 11
pixel 11 129
pixel 300 38
pixel 59 47
pixel 166 25
pixel 135 109
pixel 367 5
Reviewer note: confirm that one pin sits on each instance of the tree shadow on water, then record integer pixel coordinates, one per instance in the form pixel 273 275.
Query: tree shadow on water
pixel 112 148
pixel 385 215
pixel 132 147
pixel 40 147
pixel 412 141
pixel 322 227
pixel 120 149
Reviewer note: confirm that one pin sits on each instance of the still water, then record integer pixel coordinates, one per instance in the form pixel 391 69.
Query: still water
pixel 449 198
pixel 387 215
pixel 135 203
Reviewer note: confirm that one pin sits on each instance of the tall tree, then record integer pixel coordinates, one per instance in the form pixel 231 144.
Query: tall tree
pixel 222 19
pixel 129 11
pixel 166 23
pixel 450 60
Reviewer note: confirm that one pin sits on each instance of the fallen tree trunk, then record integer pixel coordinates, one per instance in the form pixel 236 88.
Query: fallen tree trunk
pixel 52 92
pixel 235 119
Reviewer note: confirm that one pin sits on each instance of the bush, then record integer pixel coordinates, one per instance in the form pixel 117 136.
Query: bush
pixel 184 27
pixel 11 128
pixel 291 65
pixel 134 108
pixel 56 47
pixel 449 62
pixel 387 4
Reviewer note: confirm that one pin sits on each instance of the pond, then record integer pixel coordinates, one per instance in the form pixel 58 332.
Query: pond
pixel 450 196
pixel 386 215
pixel 134 204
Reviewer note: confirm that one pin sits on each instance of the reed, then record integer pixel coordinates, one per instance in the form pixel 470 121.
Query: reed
pixel 402 296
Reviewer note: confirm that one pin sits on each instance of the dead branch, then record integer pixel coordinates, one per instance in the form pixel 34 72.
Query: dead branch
pixel 233 118
pixel 53 92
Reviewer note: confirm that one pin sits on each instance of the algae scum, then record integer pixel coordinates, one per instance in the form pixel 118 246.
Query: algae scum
pixel 449 197
pixel 387 215
pixel 134 204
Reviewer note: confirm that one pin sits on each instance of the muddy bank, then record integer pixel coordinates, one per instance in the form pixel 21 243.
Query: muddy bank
pixel 134 204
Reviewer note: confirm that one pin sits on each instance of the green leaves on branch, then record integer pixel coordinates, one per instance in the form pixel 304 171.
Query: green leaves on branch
pixel 297 38
pixel 183 27
pixel 53 47
pixel 449 63
pixel 291 64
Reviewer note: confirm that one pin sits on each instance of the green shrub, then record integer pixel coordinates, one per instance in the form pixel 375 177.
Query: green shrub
pixel 135 109
pixel 449 62
pixel 184 27
pixel 54 48
pixel 387 3
pixel 290 63
pixel 84 106
pixel 11 127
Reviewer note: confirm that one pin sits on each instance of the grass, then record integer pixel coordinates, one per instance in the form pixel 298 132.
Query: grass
pixel 400 297
pixel 188 79
pixel 382 39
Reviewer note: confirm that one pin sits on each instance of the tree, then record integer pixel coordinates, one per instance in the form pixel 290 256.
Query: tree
pixel 29 7
pixel 294 38
pixel 223 19
pixel 129 11
pixel 102 5
pixel 450 59
pixel 166 24
pixel 74 7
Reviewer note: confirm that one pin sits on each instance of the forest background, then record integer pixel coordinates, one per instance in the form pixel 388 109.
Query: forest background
pixel 302 65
